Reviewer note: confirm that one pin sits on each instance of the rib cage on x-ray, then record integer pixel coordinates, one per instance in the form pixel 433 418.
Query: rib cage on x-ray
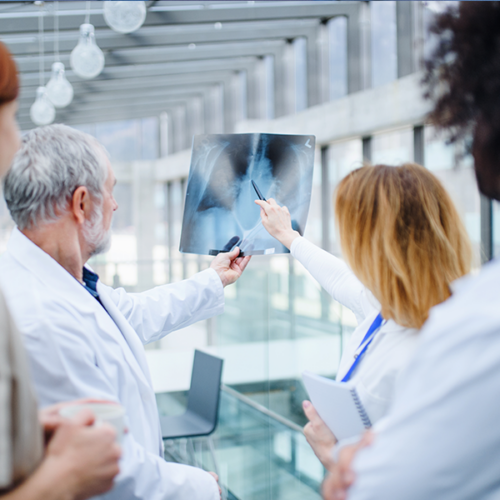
pixel 220 212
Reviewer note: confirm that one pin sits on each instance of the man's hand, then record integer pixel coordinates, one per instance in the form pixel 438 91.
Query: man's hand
pixel 229 266
pixel 318 435
pixel 216 477
pixel 341 475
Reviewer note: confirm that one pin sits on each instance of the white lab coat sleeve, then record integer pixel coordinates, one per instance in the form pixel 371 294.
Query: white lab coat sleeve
pixel 150 477
pixel 334 276
pixel 164 309
pixel 441 439
pixel 60 358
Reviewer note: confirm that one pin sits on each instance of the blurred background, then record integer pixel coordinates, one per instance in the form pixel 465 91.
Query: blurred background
pixel 347 72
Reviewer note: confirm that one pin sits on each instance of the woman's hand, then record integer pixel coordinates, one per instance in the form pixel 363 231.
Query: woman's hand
pixel 85 457
pixel 277 221
pixel 319 436
pixel 50 419
pixel 341 475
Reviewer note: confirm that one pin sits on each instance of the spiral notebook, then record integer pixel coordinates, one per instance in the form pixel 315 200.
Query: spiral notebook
pixel 338 404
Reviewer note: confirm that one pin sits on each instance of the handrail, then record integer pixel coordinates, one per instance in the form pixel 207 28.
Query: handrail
pixel 262 409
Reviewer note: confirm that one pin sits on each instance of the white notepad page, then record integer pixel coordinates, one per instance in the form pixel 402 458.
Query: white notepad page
pixel 337 404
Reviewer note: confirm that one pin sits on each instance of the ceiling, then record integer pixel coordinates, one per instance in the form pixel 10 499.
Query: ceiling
pixel 183 50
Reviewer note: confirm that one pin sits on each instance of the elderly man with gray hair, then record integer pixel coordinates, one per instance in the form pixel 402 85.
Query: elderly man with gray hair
pixel 85 339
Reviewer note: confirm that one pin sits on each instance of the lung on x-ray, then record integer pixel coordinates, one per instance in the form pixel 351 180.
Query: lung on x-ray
pixel 220 212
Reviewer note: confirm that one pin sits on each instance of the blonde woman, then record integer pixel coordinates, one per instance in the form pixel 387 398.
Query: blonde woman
pixel 404 243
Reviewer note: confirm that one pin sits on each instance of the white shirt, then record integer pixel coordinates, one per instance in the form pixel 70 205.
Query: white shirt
pixel 441 438
pixel 78 349
pixel 376 374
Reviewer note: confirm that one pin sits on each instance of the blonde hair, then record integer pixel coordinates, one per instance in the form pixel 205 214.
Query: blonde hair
pixel 403 238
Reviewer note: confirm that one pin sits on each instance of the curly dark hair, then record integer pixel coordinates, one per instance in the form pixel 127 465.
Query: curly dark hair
pixel 462 77
pixel 463 73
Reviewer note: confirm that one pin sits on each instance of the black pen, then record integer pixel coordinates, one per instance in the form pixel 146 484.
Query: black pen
pixel 259 194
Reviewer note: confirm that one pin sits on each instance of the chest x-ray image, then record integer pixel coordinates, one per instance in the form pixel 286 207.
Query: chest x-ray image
pixel 220 212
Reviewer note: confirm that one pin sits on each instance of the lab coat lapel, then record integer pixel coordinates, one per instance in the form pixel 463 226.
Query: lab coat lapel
pixel 127 331
pixel 59 282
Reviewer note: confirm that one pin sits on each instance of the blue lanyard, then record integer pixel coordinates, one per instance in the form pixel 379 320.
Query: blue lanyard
pixel 370 333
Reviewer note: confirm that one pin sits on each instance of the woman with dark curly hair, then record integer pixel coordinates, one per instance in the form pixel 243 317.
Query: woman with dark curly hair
pixel 441 438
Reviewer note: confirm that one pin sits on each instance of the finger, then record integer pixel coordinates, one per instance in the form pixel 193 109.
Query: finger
pixel 367 439
pixel 89 401
pixel 51 423
pixel 233 253
pixel 272 202
pixel 262 204
pixel 244 262
pixel 310 411
pixel 84 417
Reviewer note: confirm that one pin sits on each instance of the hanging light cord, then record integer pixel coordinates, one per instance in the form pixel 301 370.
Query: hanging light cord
pixel 56 31
pixel 41 46
pixel 87 16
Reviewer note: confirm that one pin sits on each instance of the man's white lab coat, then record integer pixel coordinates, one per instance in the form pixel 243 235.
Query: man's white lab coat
pixel 78 349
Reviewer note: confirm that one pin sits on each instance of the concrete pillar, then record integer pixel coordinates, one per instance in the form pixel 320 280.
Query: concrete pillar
pixel 214 110
pixel 256 86
pixel 288 90
pixel 194 119
pixel 300 68
pixel 405 38
pixel 234 101
pixel 315 93
pixel 358 48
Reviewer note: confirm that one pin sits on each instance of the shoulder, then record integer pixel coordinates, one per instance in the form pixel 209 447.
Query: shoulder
pixel 472 313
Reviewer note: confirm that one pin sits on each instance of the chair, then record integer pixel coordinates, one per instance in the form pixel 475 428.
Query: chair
pixel 201 415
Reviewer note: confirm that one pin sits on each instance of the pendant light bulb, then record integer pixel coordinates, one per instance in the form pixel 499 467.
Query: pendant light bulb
pixel 125 17
pixel 87 59
pixel 59 90
pixel 42 111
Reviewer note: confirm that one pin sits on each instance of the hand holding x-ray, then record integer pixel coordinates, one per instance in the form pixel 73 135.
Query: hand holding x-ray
pixel 220 212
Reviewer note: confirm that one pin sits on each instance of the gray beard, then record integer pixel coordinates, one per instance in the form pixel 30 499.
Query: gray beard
pixel 98 240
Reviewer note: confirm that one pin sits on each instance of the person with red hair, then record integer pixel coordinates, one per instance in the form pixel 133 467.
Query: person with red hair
pixel 79 461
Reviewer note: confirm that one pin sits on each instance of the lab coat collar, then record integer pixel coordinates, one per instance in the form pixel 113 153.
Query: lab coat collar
pixel 43 266
pixel 55 278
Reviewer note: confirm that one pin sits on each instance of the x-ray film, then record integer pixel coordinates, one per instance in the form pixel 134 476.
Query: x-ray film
pixel 220 212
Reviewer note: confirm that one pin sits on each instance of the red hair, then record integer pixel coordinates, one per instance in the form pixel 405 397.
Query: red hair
pixel 9 82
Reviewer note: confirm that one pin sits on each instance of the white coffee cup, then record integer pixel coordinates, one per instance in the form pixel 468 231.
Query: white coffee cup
pixel 109 413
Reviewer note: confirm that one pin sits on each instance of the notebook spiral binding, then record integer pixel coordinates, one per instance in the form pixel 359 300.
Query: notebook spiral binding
pixel 361 409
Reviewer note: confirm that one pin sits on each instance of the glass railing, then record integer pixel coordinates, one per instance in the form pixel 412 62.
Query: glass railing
pixel 258 454
pixel 277 323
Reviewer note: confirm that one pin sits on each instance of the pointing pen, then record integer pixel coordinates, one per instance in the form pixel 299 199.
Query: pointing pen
pixel 259 194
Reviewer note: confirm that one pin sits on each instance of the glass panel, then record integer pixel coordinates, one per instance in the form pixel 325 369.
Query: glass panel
pixel 121 139
pixel 383 42
pixel 313 230
pixel 457 175
pixel 258 457
pixel 393 148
